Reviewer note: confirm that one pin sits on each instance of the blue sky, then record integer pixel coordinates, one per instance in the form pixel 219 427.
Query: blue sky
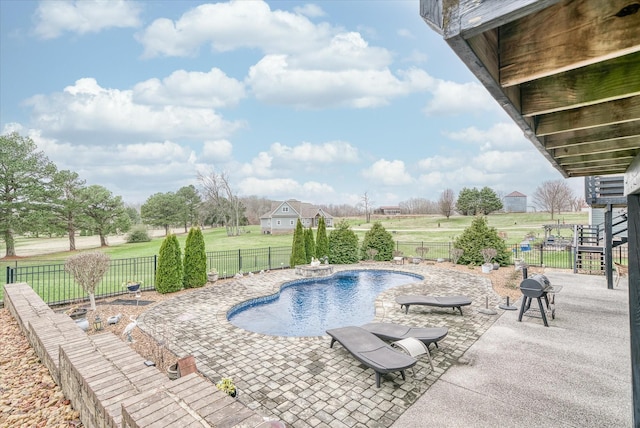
pixel 318 101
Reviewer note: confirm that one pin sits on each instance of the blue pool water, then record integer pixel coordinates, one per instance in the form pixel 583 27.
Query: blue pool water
pixel 309 307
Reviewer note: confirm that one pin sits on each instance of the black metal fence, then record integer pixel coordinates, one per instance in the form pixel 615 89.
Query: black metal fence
pixel 56 286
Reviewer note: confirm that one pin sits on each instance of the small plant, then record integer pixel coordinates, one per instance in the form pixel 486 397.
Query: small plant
pixel 456 253
pixel 131 283
pixel 227 386
pixel 488 254
pixel 138 234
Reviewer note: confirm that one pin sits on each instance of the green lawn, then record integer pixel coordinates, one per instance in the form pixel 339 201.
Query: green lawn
pixel 406 231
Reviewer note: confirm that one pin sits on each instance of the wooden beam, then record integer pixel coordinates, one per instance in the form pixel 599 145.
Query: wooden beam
pixel 618 111
pixel 597 147
pixel 622 157
pixel 605 81
pixel 585 136
pixel 566 36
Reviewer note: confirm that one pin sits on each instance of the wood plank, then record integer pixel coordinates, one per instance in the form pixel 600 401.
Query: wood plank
pixel 584 136
pixel 633 203
pixel 597 147
pixel 601 158
pixel 618 111
pixel 605 81
pixel 565 36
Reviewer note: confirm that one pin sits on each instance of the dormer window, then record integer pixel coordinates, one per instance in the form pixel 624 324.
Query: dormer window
pixel 285 209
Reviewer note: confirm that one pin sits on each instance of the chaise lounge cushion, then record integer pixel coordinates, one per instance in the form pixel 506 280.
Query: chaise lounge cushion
pixel 371 351
pixel 393 332
pixel 455 302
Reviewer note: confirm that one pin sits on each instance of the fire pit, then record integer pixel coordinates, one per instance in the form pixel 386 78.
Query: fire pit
pixel 538 287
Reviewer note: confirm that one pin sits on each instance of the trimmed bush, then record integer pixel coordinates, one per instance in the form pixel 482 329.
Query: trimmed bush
pixel 309 244
pixel 477 237
pixel 138 234
pixel 377 238
pixel 298 251
pixel 195 259
pixel 322 241
pixel 343 244
pixel 169 275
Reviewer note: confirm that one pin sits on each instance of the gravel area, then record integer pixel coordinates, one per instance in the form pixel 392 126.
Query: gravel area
pixel 29 397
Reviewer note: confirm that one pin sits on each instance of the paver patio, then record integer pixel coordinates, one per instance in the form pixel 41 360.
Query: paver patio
pixel 301 380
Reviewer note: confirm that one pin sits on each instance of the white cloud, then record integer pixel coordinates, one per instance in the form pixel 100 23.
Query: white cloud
pixel 260 166
pixel 105 115
pixel 330 152
pixel 503 136
pixel 389 173
pixel 273 81
pixel 310 10
pixel 52 18
pixel 233 25
pixel 457 98
pixel 441 162
pixel 403 32
pixel 217 150
pixel 275 187
pixel 213 89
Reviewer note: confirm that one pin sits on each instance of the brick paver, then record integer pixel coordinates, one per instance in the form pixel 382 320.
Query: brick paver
pixel 301 380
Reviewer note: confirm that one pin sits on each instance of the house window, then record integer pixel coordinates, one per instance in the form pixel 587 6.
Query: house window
pixel 278 222
pixel 291 222
pixel 285 209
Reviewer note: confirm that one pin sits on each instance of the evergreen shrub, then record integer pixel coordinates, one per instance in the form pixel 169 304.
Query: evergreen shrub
pixel 169 276
pixel 195 259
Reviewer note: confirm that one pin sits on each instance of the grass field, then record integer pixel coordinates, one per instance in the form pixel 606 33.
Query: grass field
pixel 415 228
pixel 408 232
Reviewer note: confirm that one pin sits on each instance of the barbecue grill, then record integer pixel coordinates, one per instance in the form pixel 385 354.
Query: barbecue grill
pixel 538 287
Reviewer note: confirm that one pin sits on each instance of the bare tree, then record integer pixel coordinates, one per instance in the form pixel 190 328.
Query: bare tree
pixel 367 204
pixel 220 198
pixel 88 269
pixel 447 203
pixel 553 196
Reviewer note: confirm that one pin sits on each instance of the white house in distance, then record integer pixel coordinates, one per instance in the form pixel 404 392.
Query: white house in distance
pixel 515 202
pixel 284 216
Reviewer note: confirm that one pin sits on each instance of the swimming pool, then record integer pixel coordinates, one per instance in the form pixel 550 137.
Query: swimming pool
pixel 309 307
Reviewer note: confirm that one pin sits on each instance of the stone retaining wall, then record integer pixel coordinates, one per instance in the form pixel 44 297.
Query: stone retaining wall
pixel 108 382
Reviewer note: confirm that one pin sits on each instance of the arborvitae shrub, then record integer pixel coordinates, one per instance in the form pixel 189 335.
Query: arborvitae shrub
pixel 309 244
pixel 343 245
pixel 298 251
pixel 195 260
pixel 322 241
pixel 379 239
pixel 169 272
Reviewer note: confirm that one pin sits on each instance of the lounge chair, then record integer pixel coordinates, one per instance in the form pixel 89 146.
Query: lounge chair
pixel 371 351
pixel 393 332
pixel 454 302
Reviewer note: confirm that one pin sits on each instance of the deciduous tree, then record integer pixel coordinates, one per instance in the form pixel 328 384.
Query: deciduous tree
pixel 553 196
pixel 447 203
pixel 222 201
pixel 88 269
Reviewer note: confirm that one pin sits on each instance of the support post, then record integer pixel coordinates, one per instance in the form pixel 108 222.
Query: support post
pixel 633 203
pixel 608 244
